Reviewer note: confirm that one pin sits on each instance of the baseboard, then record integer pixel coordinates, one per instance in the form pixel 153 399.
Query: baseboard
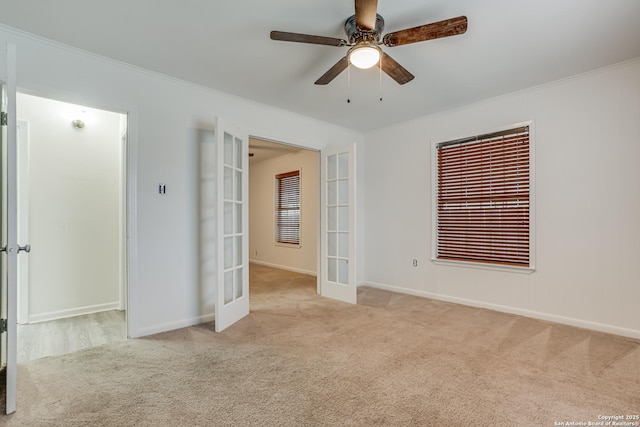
pixel 165 327
pixel 79 311
pixel 283 267
pixel 610 329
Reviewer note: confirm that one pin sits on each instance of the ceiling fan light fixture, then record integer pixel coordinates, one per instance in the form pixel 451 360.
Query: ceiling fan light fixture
pixel 364 57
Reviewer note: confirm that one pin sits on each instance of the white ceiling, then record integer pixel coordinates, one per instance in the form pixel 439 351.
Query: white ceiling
pixel 225 45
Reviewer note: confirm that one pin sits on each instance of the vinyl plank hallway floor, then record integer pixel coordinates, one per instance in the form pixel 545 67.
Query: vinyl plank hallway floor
pixel 67 335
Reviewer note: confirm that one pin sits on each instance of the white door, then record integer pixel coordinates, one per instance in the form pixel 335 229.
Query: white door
pixel 337 260
pixel 232 284
pixel 9 244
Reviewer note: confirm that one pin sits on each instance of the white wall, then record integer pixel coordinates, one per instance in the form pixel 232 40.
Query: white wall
pixel 165 119
pixel 587 150
pixel 74 195
pixel 587 157
pixel 262 246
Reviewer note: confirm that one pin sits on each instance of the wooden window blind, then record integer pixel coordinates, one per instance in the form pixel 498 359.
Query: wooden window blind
pixel 483 199
pixel 288 208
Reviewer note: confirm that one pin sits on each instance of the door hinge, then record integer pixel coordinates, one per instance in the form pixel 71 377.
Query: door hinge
pixel 3 119
pixel 3 326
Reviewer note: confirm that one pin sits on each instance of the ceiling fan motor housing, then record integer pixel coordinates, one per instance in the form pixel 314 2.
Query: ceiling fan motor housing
pixel 356 34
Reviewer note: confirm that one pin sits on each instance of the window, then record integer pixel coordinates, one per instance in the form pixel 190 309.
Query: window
pixel 483 199
pixel 288 208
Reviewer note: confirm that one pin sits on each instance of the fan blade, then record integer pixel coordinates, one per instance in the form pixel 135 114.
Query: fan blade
pixel 436 30
pixel 366 11
pixel 306 38
pixel 333 72
pixel 396 71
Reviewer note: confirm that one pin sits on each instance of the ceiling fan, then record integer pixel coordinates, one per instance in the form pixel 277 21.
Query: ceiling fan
pixel 364 31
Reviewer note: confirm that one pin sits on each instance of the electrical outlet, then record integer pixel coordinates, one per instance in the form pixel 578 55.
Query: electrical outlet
pixel 415 262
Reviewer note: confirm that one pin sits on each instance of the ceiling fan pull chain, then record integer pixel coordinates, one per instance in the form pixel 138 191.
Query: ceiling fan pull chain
pixel 380 68
pixel 349 84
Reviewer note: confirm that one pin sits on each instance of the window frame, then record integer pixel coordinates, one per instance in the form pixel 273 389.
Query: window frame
pixel 276 198
pixel 532 204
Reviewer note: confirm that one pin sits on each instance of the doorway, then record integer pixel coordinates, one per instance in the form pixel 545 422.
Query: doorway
pixel 71 193
pixel 334 262
pixel 267 160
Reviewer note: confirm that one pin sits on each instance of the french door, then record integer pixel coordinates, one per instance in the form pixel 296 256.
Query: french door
pixel 337 260
pixel 224 191
pixel 8 232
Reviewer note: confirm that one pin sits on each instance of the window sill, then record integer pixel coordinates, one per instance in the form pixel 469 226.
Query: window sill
pixel 494 267
pixel 288 245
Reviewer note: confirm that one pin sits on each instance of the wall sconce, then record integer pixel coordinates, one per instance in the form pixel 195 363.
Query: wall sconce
pixel 78 124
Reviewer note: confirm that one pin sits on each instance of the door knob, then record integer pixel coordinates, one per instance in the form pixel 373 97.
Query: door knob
pixel 26 248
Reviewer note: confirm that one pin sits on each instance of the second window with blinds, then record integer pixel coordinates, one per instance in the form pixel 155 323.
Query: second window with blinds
pixel 483 200
pixel 287 211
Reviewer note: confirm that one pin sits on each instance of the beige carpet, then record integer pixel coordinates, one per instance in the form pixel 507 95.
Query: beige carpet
pixel 301 360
